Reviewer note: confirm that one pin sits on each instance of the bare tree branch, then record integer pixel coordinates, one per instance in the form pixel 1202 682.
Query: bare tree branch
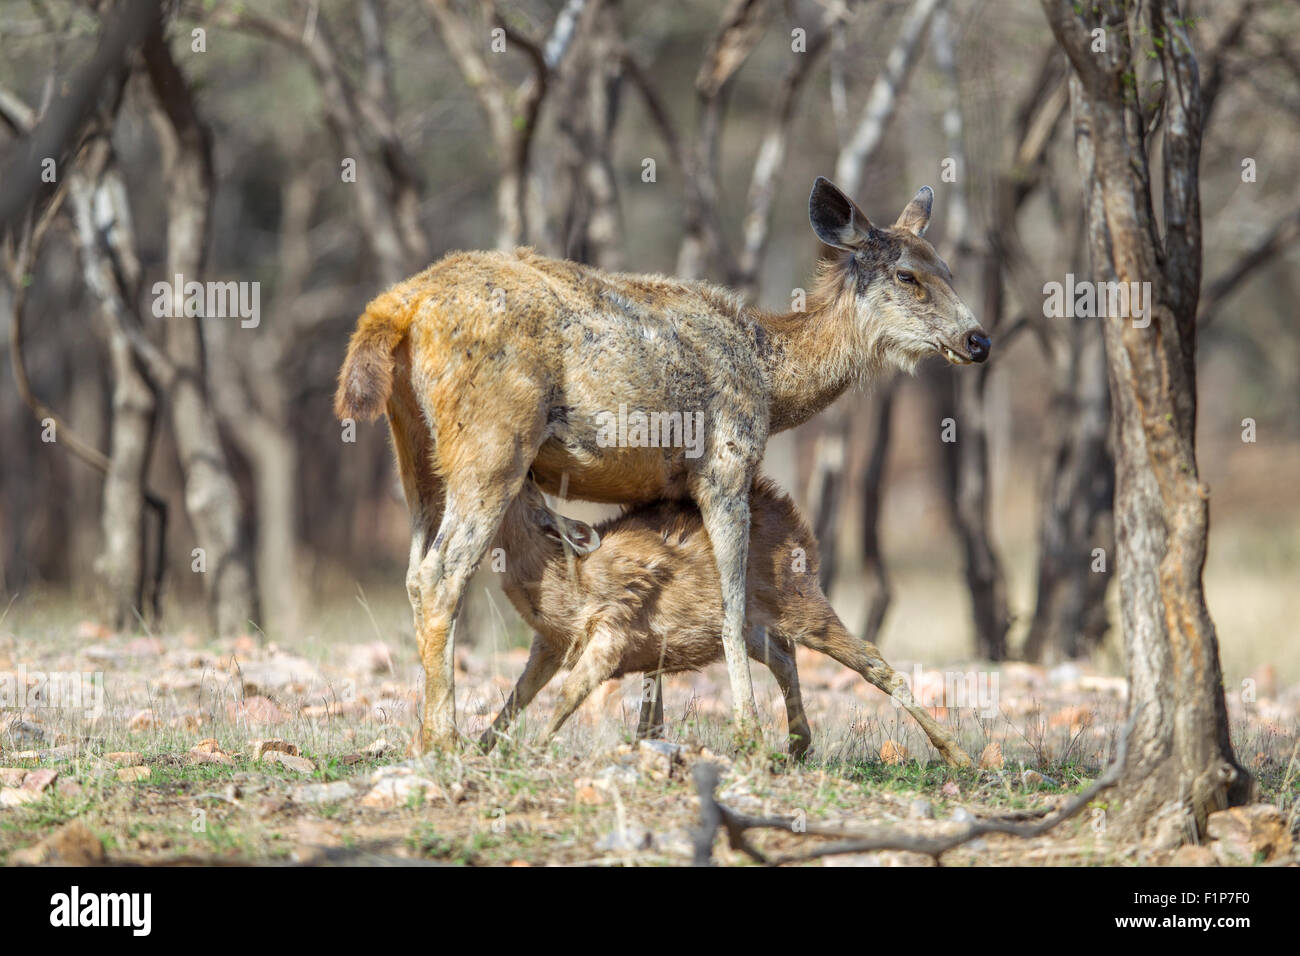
pixel 124 28
pixel 883 98
pixel 715 815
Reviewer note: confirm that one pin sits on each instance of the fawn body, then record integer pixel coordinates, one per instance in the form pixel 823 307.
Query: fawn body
pixel 641 594
pixel 489 364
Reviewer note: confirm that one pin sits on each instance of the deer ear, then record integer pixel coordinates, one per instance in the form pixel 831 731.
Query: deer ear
pixel 835 218
pixel 915 217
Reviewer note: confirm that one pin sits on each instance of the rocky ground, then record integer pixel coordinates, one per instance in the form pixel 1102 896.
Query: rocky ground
pixel 241 751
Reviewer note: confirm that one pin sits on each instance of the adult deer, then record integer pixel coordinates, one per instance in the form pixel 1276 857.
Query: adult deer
pixel 489 364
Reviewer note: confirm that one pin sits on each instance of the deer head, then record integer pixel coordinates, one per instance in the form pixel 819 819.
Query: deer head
pixel 903 295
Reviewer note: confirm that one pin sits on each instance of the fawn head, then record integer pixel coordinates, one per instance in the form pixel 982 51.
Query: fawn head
pixel 903 293
pixel 576 536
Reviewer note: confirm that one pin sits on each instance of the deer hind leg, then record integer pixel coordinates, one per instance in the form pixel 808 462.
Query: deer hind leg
pixel 722 493
pixel 778 654
pixel 831 638
pixel 413 447
pixel 476 501
pixel 541 667
pixel 651 723
pixel 597 663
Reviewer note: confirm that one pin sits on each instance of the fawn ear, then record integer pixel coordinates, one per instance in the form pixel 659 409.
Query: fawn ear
pixel 915 217
pixel 835 218
pixel 577 536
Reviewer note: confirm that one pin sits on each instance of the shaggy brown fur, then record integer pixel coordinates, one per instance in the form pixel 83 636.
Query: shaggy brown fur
pixel 640 594
pixel 490 363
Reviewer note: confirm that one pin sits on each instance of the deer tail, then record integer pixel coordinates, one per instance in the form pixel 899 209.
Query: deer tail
pixel 366 378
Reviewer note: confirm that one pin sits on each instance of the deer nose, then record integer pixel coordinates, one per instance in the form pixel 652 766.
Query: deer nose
pixel 978 345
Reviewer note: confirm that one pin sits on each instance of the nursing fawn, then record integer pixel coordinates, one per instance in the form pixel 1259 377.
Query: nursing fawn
pixel 640 594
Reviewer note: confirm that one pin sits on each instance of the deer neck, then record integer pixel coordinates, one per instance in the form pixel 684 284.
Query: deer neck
pixel 815 355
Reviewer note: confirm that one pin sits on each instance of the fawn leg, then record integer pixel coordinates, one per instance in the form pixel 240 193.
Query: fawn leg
pixel 541 667
pixel 651 723
pixel 832 639
pixel 596 664
pixel 778 655
pixel 723 497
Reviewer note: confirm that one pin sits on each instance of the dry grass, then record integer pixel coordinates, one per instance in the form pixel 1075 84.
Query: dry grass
pixel 588 797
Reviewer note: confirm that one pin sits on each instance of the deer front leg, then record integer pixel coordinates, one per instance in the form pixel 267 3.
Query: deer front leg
pixel 541 667
pixel 651 723
pixel 724 505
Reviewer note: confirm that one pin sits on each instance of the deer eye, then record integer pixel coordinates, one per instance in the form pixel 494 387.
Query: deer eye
pixel 905 277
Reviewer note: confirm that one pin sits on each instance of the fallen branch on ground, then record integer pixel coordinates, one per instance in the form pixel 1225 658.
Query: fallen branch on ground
pixel 715 815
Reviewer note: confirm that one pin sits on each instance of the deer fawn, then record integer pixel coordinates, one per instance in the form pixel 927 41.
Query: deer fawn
pixel 640 594
pixel 489 364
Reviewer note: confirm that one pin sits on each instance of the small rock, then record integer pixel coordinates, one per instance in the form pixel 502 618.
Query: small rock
pixel 658 757
pixel 25 733
pixel 1032 778
pixel 133 774
pixel 142 721
pixel 124 758
pixel 951 790
pixel 920 810
pixel 186 722
pixel 880 858
pixel 1245 835
pixel 209 756
pixel 70 845
pixel 261 747
pixel 1065 677
pixel 962 815
pixel 991 758
pixel 630 837
pixel 309 855
pixel 38 780
pixel 397 791
pixel 617 774
pixel 372 658
pixel 290 761
pixel 16 796
pixel 11 776
pixel 323 792
pixel 255 710
pixel 1189 855
pixel 378 748
pixel 586 795
pixel 892 753
pixel 207 745
pixel 276 673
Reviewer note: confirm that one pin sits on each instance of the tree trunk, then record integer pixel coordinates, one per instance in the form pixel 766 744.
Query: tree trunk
pixel 1181 765
pixel 102 215
pixel 1070 617
pixel 965 473
pixel 875 575
pixel 211 496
